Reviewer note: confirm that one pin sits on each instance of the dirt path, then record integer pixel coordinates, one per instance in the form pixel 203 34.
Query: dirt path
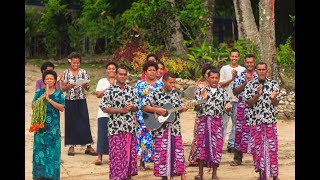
pixel 81 166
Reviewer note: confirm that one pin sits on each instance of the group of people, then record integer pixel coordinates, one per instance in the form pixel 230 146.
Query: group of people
pixel 254 97
pixel 61 93
pixel 243 93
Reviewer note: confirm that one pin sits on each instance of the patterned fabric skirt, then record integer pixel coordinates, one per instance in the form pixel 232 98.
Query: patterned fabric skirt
pixel 192 155
pixel 242 131
pixel 169 158
pixel 122 156
pixel 102 139
pixel 145 145
pixel 77 126
pixel 46 155
pixel 265 149
pixel 210 140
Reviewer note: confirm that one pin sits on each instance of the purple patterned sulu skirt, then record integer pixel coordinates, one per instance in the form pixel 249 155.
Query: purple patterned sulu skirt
pixel 209 140
pixel 242 131
pixel 265 149
pixel 122 156
pixel 169 157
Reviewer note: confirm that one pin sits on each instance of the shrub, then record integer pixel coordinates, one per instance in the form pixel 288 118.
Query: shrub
pixel 285 55
pixel 125 55
pixel 138 60
pixel 175 65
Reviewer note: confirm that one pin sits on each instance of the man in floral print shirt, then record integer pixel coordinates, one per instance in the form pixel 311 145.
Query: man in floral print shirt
pixel 262 95
pixel 169 156
pixel 209 138
pixel 120 101
pixel 242 131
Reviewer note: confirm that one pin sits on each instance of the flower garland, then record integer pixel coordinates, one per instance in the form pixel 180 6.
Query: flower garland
pixel 38 114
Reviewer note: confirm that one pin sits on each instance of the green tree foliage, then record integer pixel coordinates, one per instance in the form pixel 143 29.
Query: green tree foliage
pixel 217 56
pixel 149 20
pixel 76 35
pixel 52 25
pixel 97 22
pixel 192 17
pixel 285 55
pixel 94 18
pixel 31 24
pixel 245 46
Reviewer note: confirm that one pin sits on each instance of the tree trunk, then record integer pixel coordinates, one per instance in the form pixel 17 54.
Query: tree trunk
pixel 27 50
pixel 264 39
pixel 267 37
pixel 210 20
pixel 175 40
pixel 247 27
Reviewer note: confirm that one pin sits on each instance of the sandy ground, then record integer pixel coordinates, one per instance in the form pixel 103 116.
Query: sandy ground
pixel 81 165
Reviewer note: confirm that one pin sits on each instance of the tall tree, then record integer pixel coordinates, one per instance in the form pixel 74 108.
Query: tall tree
pixel 267 36
pixel 175 39
pixel 264 38
pixel 247 27
pixel 210 4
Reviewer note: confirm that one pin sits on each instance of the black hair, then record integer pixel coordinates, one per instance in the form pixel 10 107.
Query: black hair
pixel 250 56
pixel 147 64
pixel 160 62
pixel 262 63
pixel 213 71
pixel 121 67
pixel 168 74
pixel 234 50
pixel 74 55
pixel 207 67
pixel 110 63
pixel 45 73
pixel 152 55
pixel 45 65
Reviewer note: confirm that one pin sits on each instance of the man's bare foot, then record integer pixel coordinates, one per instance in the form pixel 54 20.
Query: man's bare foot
pixel 198 177
pixel 214 177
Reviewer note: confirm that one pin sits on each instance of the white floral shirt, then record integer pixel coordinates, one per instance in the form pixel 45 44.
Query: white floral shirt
pixel 215 103
pixel 263 111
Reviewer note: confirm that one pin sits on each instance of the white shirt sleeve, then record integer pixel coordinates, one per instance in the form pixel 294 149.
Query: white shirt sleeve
pixel 222 74
pixel 102 84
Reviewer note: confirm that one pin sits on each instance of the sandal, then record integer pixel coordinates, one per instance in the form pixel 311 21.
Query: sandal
pixel 233 163
pixel 98 162
pixel 71 151
pixel 91 152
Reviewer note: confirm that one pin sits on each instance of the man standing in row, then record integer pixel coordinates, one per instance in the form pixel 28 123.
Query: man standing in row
pixel 242 131
pixel 227 74
pixel 120 101
pixel 262 95
pixel 169 154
